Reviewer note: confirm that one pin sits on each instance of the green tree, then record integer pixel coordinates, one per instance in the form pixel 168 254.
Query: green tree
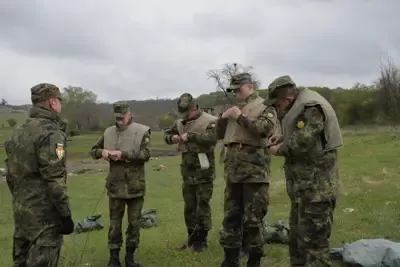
pixel 165 121
pixel 12 122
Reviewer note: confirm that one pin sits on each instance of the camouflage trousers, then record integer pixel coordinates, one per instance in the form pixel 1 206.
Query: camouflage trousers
pixel 197 210
pixel 117 210
pixel 44 251
pixel 245 206
pixel 310 230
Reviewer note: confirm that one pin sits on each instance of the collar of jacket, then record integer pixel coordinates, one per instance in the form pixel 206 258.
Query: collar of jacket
pixel 43 113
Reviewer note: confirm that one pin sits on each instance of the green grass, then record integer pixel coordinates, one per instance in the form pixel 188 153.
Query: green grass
pixel 369 173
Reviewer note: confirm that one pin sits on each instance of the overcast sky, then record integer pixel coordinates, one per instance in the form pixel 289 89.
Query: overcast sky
pixel 126 49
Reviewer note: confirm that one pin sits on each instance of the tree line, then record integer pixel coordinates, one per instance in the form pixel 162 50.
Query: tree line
pixel 363 104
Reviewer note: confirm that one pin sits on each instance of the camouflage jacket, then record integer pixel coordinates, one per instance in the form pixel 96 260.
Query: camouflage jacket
pixel 309 178
pixel 244 163
pixel 126 177
pixel 190 165
pixel 36 172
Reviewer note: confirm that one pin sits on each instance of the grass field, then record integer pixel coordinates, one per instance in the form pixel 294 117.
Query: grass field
pixel 369 169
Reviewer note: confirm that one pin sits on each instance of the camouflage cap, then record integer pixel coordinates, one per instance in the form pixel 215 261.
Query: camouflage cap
pixel 238 80
pixel 120 108
pixel 273 87
pixel 44 91
pixel 186 103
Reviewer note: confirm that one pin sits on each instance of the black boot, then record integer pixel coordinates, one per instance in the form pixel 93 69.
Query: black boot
pixel 231 258
pixel 200 242
pixel 130 260
pixel 189 242
pixel 254 259
pixel 114 258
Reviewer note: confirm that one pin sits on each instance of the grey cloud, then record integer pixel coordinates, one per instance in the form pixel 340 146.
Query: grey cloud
pixel 161 49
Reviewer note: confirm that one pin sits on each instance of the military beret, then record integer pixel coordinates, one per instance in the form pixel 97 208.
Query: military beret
pixel 273 87
pixel 44 91
pixel 238 80
pixel 120 108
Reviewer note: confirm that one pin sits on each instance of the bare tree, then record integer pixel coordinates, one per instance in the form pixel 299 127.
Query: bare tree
pixel 3 102
pixel 388 86
pixel 223 76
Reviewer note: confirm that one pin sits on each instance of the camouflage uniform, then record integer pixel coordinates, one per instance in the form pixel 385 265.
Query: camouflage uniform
pixel 197 186
pixel 311 137
pixel 36 176
pixel 125 182
pixel 246 168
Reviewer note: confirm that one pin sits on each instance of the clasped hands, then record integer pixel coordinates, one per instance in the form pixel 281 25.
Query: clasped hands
pixel 233 112
pixel 274 142
pixel 111 154
pixel 180 138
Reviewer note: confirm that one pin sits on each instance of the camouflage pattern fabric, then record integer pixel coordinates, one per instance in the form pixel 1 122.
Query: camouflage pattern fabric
pixel 148 218
pixel 238 80
pixel 247 204
pixel 128 176
pixel 117 210
pixel 310 230
pixel 120 108
pixel 197 187
pixel 312 185
pixel 276 84
pixel 36 176
pixel 125 185
pixel 197 211
pixel 88 224
pixel 190 166
pixel 276 233
pixel 44 91
pixel 244 163
pixel 309 178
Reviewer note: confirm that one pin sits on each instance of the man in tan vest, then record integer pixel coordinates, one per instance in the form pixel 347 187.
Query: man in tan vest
pixel 244 130
pixel 195 136
pixel 311 137
pixel 126 146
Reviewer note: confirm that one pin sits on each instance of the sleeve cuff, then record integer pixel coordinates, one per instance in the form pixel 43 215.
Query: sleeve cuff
pixel 124 155
pixel 99 153
pixel 191 137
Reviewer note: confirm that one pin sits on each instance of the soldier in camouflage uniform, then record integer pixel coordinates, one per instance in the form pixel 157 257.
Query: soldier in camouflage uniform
pixel 244 130
pixel 126 146
pixel 311 137
pixel 36 176
pixel 196 139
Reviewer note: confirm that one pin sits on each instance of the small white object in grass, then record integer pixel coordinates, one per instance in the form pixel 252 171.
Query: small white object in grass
pixel 348 210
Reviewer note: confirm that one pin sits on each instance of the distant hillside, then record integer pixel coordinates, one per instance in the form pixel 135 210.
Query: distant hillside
pixel 362 104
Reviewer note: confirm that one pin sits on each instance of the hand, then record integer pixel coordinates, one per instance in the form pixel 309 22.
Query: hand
pixel 274 149
pixel 115 155
pixel 67 225
pixel 176 138
pixel 226 114
pixel 184 137
pixel 235 112
pixel 275 139
pixel 105 154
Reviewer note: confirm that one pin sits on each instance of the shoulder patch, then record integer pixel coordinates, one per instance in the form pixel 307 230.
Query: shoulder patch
pixel 60 151
pixel 300 124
